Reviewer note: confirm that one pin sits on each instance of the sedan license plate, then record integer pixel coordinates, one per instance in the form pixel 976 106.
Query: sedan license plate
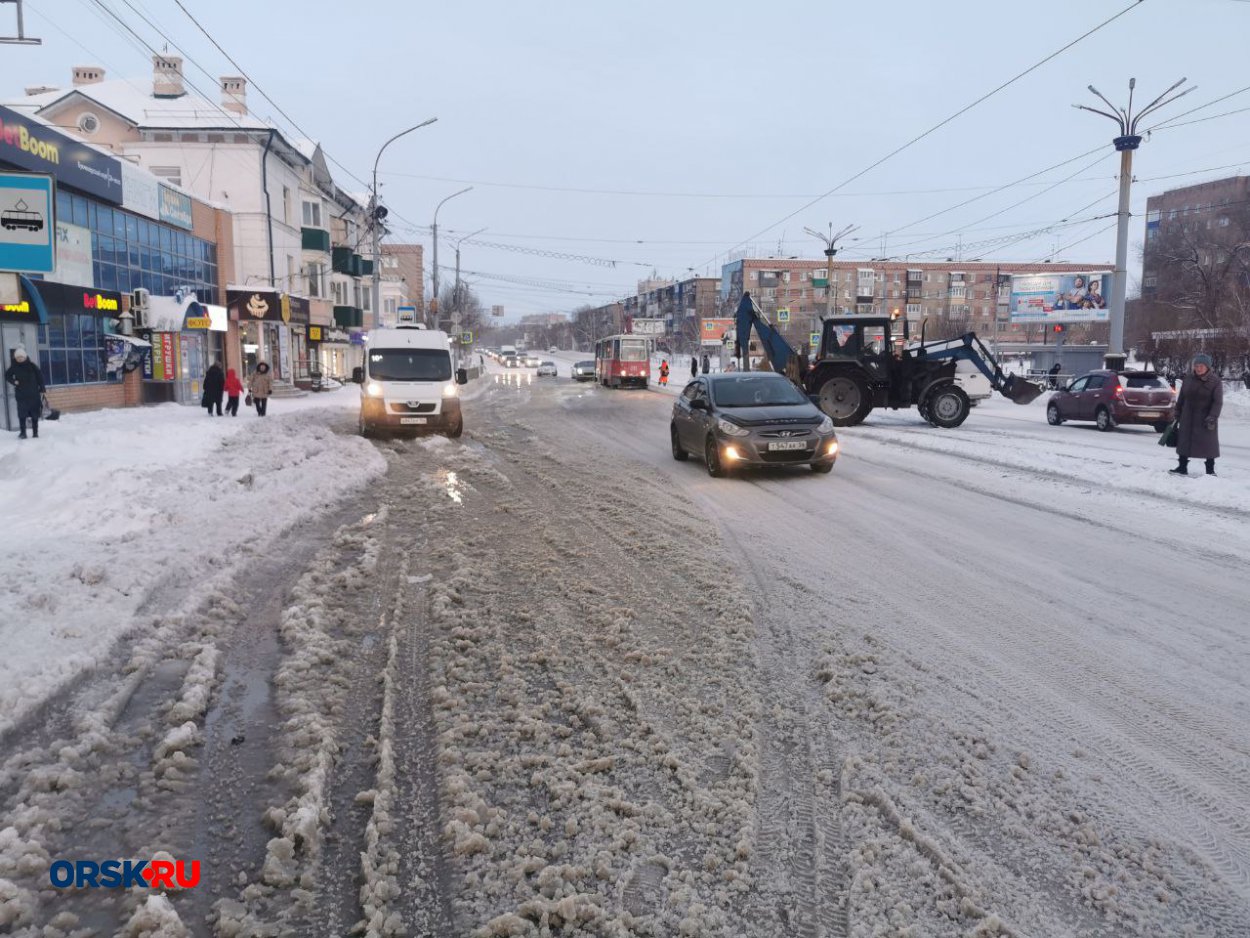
pixel 413 420
pixel 1149 414
pixel 787 444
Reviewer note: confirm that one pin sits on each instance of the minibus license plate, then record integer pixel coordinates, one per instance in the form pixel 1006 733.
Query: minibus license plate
pixel 413 420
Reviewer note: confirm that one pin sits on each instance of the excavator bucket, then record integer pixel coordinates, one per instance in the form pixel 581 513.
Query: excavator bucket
pixel 1020 391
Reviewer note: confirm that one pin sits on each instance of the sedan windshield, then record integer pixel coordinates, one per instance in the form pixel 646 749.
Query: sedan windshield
pixel 760 390
pixel 589 366
pixel 409 364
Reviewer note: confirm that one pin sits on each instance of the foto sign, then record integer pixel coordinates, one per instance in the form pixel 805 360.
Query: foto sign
pixel 27 223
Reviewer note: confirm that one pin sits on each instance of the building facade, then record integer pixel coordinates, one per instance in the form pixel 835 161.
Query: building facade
pixel 1208 208
pixel 294 231
pixel 403 279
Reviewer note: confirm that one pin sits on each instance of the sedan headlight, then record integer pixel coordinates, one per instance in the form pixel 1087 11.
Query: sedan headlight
pixel 373 389
pixel 826 426
pixel 731 429
pixel 450 390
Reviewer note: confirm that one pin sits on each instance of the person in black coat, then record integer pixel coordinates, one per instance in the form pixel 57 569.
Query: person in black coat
pixel 27 381
pixel 1198 409
pixel 707 364
pixel 694 367
pixel 214 388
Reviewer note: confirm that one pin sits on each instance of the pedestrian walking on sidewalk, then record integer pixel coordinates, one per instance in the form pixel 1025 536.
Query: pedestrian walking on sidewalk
pixel 234 390
pixel 694 366
pixel 707 364
pixel 1198 417
pixel 261 386
pixel 214 387
pixel 27 381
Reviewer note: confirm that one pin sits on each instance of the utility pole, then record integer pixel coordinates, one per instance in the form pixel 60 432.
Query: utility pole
pixel 1128 141
pixel 377 215
pixel 434 268
pixel 455 293
pixel 830 242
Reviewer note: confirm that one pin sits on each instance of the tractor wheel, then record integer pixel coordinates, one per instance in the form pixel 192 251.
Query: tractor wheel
pixel 947 406
pixel 678 453
pixel 844 397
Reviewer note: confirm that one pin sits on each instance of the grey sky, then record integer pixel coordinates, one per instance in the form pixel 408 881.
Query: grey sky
pixel 758 107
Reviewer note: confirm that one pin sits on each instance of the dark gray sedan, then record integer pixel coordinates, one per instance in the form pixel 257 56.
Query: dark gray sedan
pixel 751 419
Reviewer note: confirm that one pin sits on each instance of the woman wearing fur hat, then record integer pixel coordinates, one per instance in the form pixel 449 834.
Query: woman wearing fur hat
pixel 27 381
pixel 1198 414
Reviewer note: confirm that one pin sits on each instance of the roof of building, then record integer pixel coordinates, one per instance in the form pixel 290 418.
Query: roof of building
pixel 133 100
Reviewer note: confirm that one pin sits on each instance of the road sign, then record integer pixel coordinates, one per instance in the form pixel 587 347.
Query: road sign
pixel 466 338
pixel 783 314
pixel 27 223
pixel 814 338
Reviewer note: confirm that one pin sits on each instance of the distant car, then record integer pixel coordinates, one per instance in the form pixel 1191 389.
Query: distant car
pixel 584 371
pixel 1109 399
pixel 751 419
pixel 531 360
pixel 511 361
pixel 547 370
pixel 553 349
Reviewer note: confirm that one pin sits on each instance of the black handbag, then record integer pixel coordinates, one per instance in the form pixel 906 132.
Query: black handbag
pixel 50 412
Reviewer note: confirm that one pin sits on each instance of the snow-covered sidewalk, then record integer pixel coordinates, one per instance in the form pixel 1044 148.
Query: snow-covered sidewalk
pixel 115 513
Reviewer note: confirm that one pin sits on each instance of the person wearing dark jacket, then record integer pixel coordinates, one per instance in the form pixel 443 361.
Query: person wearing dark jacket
pixel 214 387
pixel 1198 414
pixel 694 367
pixel 707 364
pixel 27 381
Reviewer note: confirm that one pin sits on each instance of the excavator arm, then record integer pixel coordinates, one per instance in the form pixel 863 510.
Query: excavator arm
pixel 781 356
pixel 971 349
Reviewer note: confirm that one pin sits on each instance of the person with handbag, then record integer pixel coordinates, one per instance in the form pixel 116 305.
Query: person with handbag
pixel 1197 417
pixel 260 386
pixel 27 381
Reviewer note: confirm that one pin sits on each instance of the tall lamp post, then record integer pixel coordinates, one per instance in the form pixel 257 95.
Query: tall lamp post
pixel 376 215
pixel 434 268
pixel 1128 141
pixel 455 293
pixel 830 242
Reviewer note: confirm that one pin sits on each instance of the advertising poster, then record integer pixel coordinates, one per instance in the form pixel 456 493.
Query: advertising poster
pixel 1060 298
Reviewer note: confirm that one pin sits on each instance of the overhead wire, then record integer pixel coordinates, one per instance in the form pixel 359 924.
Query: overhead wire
pixel 942 123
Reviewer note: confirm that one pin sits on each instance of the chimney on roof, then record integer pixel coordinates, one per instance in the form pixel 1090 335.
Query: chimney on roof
pixel 167 76
pixel 234 93
pixel 87 75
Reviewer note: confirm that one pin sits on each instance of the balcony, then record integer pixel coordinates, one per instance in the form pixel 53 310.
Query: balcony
pixel 341 262
pixel 315 239
pixel 349 317
pixel 356 266
pixel 366 268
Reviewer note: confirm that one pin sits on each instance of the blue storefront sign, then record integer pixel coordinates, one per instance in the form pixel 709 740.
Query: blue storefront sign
pixel 27 223
pixel 30 145
pixel 175 208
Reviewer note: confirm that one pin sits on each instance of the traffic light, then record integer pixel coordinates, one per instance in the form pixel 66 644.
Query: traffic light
pixel 1059 328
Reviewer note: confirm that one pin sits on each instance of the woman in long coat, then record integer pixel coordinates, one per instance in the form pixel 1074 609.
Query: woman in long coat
pixel 214 386
pixel 1198 415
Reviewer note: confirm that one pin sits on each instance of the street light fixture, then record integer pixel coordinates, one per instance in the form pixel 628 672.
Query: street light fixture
pixel 830 242
pixel 1128 141
pixel 376 215
pixel 434 268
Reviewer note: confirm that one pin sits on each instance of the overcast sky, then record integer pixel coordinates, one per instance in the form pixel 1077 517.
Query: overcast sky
pixel 664 135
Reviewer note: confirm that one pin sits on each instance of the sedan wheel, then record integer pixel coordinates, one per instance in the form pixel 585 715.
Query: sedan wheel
pixel 711 456
pixel 678 453
pixel 1053 417
pixel 1104 420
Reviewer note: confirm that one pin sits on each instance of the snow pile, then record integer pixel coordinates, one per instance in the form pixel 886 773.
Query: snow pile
pixel 110 511
pixel 156 918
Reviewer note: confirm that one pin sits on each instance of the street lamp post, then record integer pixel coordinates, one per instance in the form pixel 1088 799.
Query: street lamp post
pixel 830 241
pixel 434 268
pixel 376 214
pixel 1128 141
pixel 455 293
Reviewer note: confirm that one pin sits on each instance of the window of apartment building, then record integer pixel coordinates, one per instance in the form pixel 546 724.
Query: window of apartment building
pixel 1223 222
pixel 958 291
pixel 286 204
pixel 315 275
pixel 390 305
pixel 171 174
pixel 913 310
pixel 338 292
pixel 865 280
pixel 1150 281
pixel 864 309
pixel 312 214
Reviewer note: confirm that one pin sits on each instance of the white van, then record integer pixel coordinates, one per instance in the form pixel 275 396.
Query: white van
pixel 407 383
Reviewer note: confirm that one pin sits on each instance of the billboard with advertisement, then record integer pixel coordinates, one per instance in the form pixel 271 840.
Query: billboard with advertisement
pixel 73 254
pixel 174 207
pixel 649 327
pixel 1060 297
pixel 712 331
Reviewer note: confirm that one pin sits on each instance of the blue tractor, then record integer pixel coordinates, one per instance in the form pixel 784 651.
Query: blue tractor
pixel 864 363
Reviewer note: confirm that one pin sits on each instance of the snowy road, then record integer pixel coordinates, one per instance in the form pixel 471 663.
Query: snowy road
pixel 547 680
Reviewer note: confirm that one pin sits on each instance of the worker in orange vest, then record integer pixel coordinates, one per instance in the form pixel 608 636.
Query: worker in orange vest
pixel 664 372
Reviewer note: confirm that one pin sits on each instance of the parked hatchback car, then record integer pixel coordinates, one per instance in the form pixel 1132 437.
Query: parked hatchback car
pixel 1109 398
pixel 547 370
pixel 751 419
pixel 584 371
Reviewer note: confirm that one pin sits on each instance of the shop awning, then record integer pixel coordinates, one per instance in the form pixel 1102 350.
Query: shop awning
pixel 169 314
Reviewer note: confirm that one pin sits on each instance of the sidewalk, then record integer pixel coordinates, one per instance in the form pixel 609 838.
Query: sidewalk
pixel 110 509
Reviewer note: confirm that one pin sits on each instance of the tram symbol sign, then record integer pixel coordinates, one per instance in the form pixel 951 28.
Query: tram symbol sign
pixel 27 223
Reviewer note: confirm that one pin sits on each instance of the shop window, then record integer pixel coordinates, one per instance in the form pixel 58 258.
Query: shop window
pixel 72 349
